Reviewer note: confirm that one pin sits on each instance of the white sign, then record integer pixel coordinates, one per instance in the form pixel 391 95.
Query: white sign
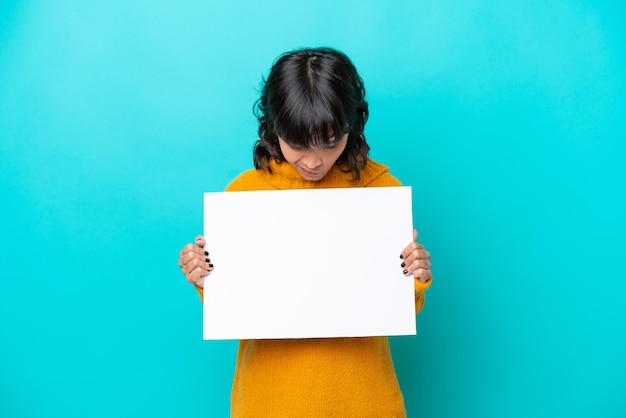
pixel 308 263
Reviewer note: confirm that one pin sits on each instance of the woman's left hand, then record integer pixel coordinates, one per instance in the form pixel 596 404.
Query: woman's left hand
pixel 416 261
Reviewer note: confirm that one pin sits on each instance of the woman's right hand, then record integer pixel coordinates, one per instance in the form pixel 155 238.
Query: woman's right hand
pixel 195 263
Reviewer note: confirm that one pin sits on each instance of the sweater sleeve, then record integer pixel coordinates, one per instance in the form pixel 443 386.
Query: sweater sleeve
pixel 420 296
pixel 200 292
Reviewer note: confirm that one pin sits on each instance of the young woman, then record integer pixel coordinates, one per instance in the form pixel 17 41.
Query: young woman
pixel 312 113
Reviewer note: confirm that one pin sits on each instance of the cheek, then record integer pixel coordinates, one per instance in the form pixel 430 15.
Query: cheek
pixel 287 153
pixel 291 156
pixel 336 153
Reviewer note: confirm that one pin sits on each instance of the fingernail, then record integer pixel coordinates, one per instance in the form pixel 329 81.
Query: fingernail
pixel 405 271
pixel 401 257
pixel 211 265
pixel 206 253
pixel 208 259
pixel 403 265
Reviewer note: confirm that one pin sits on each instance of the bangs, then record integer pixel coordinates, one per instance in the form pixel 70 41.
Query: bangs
pixel 311 105
pixel 311 130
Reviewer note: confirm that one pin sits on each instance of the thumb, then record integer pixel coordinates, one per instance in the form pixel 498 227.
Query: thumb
pixel 414 234
pixel 200 241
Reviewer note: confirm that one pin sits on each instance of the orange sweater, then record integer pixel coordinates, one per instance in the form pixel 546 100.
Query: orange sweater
pixel 327 377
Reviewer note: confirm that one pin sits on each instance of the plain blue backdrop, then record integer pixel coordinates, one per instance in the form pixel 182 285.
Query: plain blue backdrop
pixel 507 118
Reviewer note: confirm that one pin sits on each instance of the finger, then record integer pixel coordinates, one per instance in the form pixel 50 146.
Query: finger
pixel 416 255
pixel 183 254
pixel 195 254
pixel 197 276
pixel 194 263
pixel 200 242
pixel 409 268
pixel 422 275
pixel 189 248
pixel 418 264
pixel 203 270
pixel 414 246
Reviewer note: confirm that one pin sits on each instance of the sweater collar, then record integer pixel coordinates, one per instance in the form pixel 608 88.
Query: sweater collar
pixel 284 176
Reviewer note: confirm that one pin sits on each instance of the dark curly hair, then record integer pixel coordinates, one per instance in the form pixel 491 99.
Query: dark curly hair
pixel 309 97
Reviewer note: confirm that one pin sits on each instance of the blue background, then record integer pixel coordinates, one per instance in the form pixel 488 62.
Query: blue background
pixel 506 118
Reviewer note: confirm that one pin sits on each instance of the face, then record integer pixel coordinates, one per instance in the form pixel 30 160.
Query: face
pixel 315 162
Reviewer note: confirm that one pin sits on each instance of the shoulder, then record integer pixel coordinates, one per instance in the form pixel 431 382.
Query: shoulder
pixel 375 174
pixel 249 180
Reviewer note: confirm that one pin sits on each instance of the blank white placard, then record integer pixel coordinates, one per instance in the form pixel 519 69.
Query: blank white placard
pixel 308 263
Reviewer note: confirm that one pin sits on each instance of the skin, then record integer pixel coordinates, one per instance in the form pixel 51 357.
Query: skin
pixel 312 164
pixel 315 162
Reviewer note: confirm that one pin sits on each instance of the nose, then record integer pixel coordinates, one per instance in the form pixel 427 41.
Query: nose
pixel 312 159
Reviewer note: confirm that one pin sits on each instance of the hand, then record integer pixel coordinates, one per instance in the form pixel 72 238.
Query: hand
pixel 416 261
pixel 195 262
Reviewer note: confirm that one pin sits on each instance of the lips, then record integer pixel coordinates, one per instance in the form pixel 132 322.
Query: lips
pixel 309 173
pixel 312 173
